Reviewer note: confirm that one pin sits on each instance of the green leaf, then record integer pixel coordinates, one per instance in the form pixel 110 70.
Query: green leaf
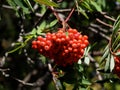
pixel 41 27
pixel 58 83
pixel 87 60
pixel 107 65
pixel 87 5
pixel 12 4
pixel 102 3
pixel 80 69
pixel 43 59
pixel 86 82
pixel 112 63
pixel 53 23
pixel 29 4
pixel 118 1
pixel 82 11
pixel 34 31
pixel 104 55
pixel 116 27
pixel 19 3
pixel 117 47
pixel 97 7
pixel 87 50
pixel 116 41
pixel 47 2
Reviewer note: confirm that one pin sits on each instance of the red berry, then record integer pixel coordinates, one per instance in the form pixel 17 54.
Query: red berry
pixel 64 49
pixel 74 45
pixel 34 46
pixel 39 38
pixel 34 42
pixel 46 48
pixel 86 42
pixel 85 37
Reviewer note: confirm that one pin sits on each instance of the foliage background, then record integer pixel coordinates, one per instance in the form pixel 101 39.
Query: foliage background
pixel 22 20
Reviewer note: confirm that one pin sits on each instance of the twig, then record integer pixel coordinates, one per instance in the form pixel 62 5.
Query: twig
pixel 23 82
pixel 107 17
pixel 2 61
pixel 96 66
pixel 3 71
pixel 105 24
pixel 54 78
pixel 96 53
pixel 69 15
pixel 28 58
pixel 102 34
pixel 98 27
pixel 57 15
pixel 35 8
pixel 62 10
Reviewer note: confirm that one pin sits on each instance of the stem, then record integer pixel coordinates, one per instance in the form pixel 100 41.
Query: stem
pixel 66 20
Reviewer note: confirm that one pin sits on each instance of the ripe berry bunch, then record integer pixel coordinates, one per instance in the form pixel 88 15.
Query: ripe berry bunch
pixel 117 66
pixel 64 48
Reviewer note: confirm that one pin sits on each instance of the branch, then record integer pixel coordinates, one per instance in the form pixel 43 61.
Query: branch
pixel 102 34
pixel 96 66
pixel 69 15
pixel 99 27
pixel 107 17
pixel 103 23
pixel 54 77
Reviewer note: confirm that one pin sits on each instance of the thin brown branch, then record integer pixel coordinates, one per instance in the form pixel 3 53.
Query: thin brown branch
pixel 66 20
pixel 54 77
pixel 100 33
pixel 96 66
pixel 23 82
pixel 99 27
pixel 107 17
pixel 103 23
pixel 62 10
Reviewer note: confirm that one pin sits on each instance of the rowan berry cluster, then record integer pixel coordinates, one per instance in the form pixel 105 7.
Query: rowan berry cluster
pixel 64 47
pixel 117 66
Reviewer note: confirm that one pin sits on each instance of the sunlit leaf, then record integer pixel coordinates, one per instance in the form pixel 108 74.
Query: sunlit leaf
pixel 87 60
pixel 41 27
pixel 104 55
pixel 53 23
pixel 107 65
pixel 79 61
pixel 34 31
pixel 112 63
pixel 47 2
pixel 85 82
